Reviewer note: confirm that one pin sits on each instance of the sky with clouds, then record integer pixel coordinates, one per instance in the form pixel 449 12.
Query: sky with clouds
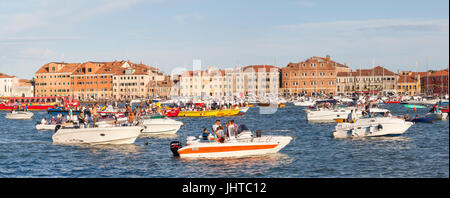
pixel 169 34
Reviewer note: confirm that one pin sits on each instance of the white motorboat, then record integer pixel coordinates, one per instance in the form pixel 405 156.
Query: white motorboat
pixel 40 126
pixel 437 115
pixel 99 135
pixel 245 144
pixel 19 115
pixel 328 115
pixel 372 127
pixel 160 126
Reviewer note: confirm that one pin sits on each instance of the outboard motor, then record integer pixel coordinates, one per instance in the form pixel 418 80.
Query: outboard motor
pixel 57 128
pixel 258 133
pixel 174 146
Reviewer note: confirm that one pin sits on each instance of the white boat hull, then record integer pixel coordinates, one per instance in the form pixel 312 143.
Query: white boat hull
pixel 45 126
pixel 19 115
pixel 439 116
pixel 163 126
pixel 372 127
pixel 110 135
pixel 257 146
pixel 329 115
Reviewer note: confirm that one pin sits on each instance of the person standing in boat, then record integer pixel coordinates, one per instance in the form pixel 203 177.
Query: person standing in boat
pixel 351 117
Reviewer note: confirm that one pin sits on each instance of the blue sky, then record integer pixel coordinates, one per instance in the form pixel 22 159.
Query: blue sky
pixel 169 34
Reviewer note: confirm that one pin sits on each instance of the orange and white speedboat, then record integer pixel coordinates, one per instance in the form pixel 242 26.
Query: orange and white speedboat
pixel 245 144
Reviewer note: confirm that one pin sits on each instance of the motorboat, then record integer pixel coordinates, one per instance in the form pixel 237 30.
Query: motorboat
pixel 328 115
pixel 160 125
pixel 40 126
pixel 19 115
pixel 98 135
pixel 245 144
pixel 423 119
pixel 372 127
pixel 437 115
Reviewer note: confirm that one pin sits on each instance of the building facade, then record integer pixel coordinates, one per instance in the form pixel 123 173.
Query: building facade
pixel 316 75
pixel 96 80
pixel 375 80
pixel 408 83
pixel 7 83
pixel 434 83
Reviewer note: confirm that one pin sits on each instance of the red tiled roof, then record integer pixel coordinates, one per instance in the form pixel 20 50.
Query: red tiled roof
pixel 257 68
pixel 2 75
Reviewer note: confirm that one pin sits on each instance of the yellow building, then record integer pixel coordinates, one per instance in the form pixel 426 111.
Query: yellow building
pixel 409 83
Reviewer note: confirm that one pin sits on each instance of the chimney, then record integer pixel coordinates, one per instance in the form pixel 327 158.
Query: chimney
pixel 328 57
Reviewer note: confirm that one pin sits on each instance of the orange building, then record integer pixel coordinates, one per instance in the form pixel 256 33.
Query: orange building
pixel 54 79
pixel 315 75
pixel 95 80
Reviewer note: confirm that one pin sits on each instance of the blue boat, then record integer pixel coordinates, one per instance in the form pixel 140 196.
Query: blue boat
pixel 423 119
pixel 60 110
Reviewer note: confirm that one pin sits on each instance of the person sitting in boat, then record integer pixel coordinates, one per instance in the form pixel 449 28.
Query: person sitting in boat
pixel 406 117
pixel 215 126
pixel 53 121
pixel 220 134
pixel 44 121
pixel 388 114
pixel 205 134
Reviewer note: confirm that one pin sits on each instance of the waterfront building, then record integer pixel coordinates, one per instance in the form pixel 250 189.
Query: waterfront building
pixel 54 79
pixel 96 80
pixel 23 88
pixel 198 83
pixel 434 82
pixel 375 80
pixel 408 83
pixel 316 75
pixel 259 80
pixel 7 83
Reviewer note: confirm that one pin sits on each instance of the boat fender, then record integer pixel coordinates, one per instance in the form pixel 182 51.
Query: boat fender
pixel 174 146
pixel 57 128
pixel 258 133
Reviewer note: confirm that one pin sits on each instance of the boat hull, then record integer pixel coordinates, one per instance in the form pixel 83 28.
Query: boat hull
pixel 160 126
pixel 43 127
pixel 259 146
pixel 329 116
pixel 19 115
pixel 228 112
pixel 370 128
pixel 198 113
pixel 109 135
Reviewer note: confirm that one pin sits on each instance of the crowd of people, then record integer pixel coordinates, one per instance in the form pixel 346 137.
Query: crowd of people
pixel 221 133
